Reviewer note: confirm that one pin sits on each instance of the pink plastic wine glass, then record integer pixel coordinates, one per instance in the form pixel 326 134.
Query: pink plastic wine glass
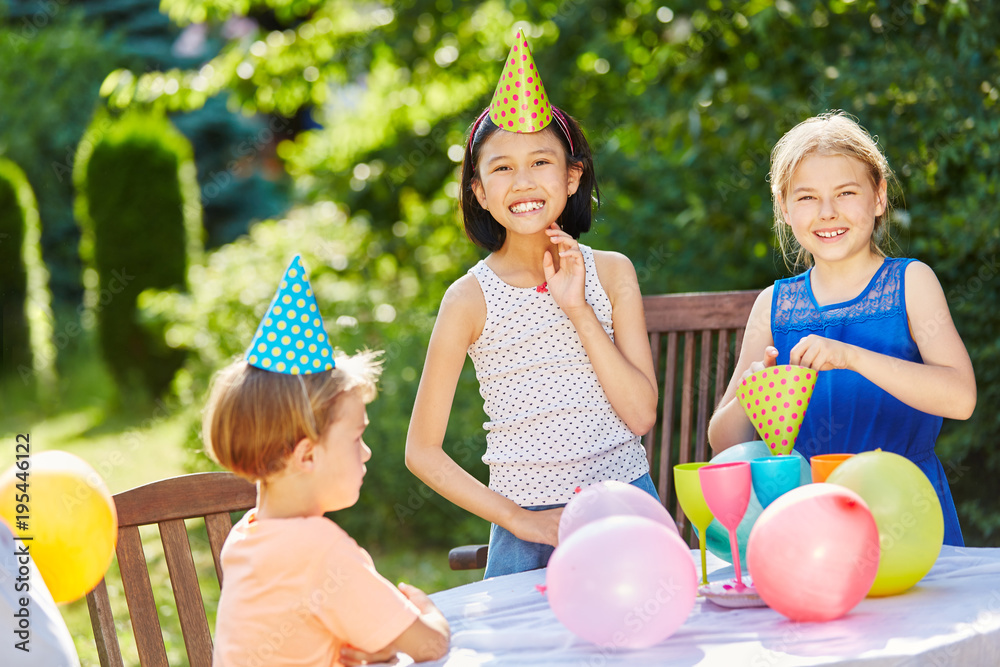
pixel 726 487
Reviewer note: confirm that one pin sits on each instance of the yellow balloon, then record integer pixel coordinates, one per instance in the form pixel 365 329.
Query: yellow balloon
pixel 906 510
pixel 59 501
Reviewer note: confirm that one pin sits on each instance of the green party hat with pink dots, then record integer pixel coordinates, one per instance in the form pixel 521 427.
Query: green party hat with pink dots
pixel 775 399
pixel 291 339
pixel 519 102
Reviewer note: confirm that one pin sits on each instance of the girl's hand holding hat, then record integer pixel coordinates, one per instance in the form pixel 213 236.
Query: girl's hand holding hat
pixel 821 354
pixel 770 355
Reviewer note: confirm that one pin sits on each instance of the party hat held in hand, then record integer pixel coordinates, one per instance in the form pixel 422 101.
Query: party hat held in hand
pixel 291 338
pixel 519 102
pixel 775 399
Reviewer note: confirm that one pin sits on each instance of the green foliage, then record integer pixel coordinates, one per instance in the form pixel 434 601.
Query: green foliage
pixel 141 223
pixel 369 301
pixel 235 168
pixel 16 348
pixel 51 65
pixel 239 180
pixel 682 105
pixel 25 301
pixel 53 58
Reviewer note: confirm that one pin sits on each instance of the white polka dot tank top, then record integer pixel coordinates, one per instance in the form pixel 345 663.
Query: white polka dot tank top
pixel 551 426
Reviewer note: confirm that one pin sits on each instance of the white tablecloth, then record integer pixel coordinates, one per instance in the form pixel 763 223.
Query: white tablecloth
pixel 952 617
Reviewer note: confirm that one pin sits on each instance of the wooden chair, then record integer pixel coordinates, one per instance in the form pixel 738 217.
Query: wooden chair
pixel 695 339
pixel 166 503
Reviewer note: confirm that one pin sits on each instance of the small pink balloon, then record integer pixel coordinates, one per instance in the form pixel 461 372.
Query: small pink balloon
pixel 623 582
pixel 814 552
pixel 610 498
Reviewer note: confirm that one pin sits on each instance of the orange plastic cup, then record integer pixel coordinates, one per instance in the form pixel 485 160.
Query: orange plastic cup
pixel 823 464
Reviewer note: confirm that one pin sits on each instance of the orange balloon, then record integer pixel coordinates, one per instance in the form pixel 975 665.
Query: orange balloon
pixel 60 502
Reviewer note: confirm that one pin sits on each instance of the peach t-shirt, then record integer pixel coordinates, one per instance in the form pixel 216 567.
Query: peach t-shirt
pixel 295 590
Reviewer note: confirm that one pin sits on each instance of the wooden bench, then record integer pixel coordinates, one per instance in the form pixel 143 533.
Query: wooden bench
pixel 695 339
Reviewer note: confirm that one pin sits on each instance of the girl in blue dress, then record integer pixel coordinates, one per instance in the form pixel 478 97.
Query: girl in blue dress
pixel 879 327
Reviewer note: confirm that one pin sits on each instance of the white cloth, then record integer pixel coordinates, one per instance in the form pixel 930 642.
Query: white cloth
pixel 952 617
pixel 551 425
pixel 23 592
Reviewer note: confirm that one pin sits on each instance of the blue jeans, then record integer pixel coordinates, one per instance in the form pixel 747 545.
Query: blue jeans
pixel 509 554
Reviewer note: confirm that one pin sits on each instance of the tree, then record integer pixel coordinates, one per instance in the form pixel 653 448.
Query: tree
pixel 683 105
pixel 53 58
pixel 51 65
pixel 138 207
pixel 25 302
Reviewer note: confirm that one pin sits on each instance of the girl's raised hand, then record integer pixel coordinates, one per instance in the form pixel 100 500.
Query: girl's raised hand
pixel 821 354
pixel 567 284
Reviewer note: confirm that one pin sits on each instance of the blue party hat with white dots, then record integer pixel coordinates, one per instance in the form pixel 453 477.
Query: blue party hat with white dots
pixel 291 339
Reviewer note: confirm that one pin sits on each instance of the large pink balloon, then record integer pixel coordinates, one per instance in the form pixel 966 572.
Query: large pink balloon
pixel 623 581
pixel 610 498
pixel 814 552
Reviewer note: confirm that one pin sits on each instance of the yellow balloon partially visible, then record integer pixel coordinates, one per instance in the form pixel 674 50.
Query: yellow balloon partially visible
pixel 906 510
pixel 67 511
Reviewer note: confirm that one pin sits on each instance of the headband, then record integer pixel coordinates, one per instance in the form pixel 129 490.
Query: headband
pixel 559 116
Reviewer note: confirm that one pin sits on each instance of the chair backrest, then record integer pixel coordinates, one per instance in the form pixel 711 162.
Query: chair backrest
pixel 166 503
pixel 695 339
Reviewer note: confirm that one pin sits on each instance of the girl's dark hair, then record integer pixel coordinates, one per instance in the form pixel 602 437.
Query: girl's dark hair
pixel 486 232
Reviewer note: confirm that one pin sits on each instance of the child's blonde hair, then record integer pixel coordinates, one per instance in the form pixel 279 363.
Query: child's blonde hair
pixel 254 417
pixel 830 133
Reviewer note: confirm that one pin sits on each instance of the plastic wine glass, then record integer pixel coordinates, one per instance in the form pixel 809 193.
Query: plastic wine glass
pixel 774 476
pixel 822 465
pixel 689 495
pixel 726 487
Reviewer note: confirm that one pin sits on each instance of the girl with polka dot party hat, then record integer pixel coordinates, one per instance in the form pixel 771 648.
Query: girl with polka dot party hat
pixel 291 417
pixel 555 330
pixel 891 363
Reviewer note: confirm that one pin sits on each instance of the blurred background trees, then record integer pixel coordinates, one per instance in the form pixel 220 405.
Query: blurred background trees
pixel 140 218
pixel 25 301
pixel 344 123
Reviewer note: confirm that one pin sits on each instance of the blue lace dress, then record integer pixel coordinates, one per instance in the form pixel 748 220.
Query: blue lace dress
pixel 848 413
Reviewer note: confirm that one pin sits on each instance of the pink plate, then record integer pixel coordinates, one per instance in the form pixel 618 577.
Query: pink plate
pixel 725 594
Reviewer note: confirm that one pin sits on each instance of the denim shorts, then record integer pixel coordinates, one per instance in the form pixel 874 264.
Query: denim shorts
pixel 509 554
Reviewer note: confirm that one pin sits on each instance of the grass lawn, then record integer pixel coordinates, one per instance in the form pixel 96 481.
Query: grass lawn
pixel 133 442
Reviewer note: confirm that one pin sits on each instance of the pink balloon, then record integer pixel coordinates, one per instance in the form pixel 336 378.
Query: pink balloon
pixel 623 581
pixel 610 498
pixel 814 552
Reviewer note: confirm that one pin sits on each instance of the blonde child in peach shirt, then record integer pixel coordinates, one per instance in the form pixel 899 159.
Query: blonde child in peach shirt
pixel 297 589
